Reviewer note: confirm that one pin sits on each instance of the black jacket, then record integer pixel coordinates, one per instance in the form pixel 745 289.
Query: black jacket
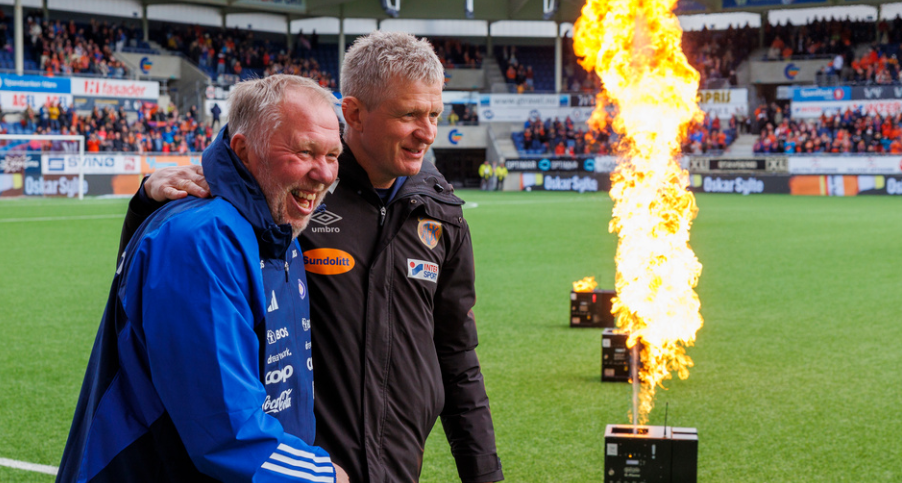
pixel 392 288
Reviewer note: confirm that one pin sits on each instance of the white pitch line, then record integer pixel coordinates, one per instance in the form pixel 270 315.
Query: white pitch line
pixel 60 218
pixel 21 465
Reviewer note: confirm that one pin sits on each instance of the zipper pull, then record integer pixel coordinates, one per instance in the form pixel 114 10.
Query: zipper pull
pixel 382 216
pixel 286 271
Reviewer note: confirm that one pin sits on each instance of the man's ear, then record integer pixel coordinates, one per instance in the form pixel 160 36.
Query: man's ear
pixel 238 143
pixel 354 111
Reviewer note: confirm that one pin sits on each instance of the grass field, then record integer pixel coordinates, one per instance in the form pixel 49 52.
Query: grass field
pixel 798 370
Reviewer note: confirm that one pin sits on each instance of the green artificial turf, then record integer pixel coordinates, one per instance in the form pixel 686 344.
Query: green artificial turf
pixel 797 371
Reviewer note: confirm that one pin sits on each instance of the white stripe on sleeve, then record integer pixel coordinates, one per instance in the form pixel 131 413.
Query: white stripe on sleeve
pixel 302 464
pixel 303 454
pixel 298 474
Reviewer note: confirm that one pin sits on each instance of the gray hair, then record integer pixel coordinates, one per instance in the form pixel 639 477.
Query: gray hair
pixel 374 60
pixel 255 106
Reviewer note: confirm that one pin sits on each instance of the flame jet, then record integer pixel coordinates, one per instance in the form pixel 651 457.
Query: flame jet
pixel 634 47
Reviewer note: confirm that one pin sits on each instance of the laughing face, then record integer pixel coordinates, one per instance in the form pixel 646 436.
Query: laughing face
pixel 394 136
pixel 301 161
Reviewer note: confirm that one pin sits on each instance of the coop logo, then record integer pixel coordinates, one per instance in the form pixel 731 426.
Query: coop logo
pixel 277 376
pixel 145 65
pixel 328 261
pixel 271 406
pixel 273 335
pixel 422 270
pixel 325 218
pixel 455 136
pixel 791 71
pixel 893 186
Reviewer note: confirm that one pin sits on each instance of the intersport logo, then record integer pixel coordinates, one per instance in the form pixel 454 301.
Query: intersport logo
pixel 279 375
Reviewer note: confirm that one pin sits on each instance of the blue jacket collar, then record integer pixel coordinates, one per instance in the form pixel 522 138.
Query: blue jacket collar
pixel 229 179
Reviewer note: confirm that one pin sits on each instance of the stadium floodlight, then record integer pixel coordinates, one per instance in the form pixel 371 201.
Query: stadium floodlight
pixel 67 148
pixel 468 9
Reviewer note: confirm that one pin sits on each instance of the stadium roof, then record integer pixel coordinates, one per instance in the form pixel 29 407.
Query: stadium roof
pixel 490 10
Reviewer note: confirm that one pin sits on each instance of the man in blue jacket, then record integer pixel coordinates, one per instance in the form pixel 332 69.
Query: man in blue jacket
pixel 202 367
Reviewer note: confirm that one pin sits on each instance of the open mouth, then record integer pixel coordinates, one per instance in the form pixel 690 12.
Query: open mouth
pixel 304 199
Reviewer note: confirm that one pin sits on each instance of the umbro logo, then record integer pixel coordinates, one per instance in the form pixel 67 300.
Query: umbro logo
pixel 325 218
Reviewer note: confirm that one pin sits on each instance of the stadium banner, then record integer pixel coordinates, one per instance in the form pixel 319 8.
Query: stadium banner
pixel 724 103
pixel 817 94
pixel 156 66
pixel 35 83
pixel 149 164
pixel 457 137
pixel 16 101
pixel 781 72
pixel 465 79
pixel 838 185
pixel 743 4
pixel 59 185
pixel 115 89
pixel 565 181
pixel 876 92
pixel 283 6
pixel 84 103
pixel 880 185
pixel 845 164
pixel 808 110
pixel 521 107
pixel 14 171
pixel 738 184
pixel 774 164
pixel 550 164
pixel 93 163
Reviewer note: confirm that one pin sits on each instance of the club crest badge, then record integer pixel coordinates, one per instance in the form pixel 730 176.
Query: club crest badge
pixel 430 231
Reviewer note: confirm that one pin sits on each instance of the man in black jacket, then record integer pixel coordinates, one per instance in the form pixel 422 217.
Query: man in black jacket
pixel 390 264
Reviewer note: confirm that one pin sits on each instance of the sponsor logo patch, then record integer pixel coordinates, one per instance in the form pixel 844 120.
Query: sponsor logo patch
pixel 429 231
pixel 271 405
pixel 422 270
pixel 328 261
pixel 273 335
pixel 278 375
pixel 302 289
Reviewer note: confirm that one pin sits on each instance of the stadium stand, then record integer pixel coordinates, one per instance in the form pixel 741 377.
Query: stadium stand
pixel 851 132
pixel 566 138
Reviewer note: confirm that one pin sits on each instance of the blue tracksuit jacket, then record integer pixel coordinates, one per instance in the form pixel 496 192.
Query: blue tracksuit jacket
pixel 201 369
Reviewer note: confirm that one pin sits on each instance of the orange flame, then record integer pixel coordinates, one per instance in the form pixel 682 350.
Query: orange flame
pixel 634 47
pixel 587 284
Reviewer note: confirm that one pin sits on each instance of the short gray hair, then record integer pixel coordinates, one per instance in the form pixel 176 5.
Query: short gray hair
pixel 255 106
pixel 374 60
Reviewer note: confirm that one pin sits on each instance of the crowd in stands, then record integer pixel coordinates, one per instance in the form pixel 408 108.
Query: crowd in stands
pixel 66 48
pixel 516 73
pixel 157 130
pixel 565 138
pixel 455 54
pixel 840 133
pixel 715 54
pixel 237 52
pixel 820 38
